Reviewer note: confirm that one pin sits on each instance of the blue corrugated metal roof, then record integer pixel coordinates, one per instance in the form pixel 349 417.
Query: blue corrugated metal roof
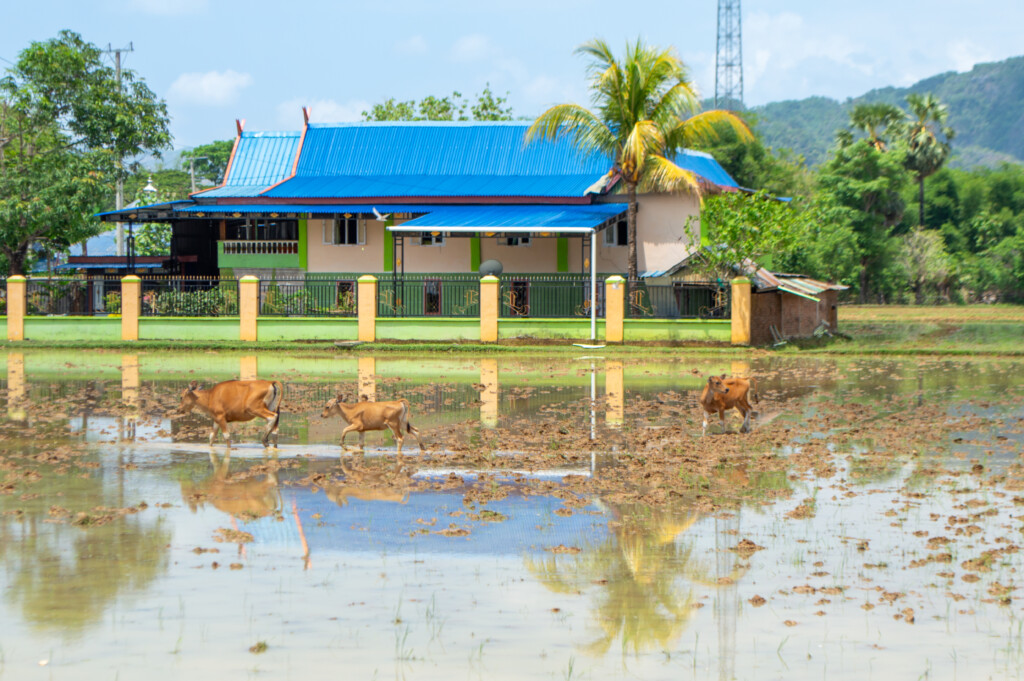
pixel 263 209
pixel 451 159
pixel 261 159
pixel 541 217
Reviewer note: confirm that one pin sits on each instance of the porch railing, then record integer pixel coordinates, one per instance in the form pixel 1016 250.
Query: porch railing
pixel 678 300
pixel 263 247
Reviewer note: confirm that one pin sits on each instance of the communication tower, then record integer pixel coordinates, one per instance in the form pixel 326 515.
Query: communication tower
pixel 729 56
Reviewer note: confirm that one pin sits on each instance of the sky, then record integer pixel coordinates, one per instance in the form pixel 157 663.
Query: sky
pixel 217 60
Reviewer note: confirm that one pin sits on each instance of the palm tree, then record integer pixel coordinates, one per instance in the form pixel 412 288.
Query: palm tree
pixel 926 152
pixel 646 110
pixel 876 120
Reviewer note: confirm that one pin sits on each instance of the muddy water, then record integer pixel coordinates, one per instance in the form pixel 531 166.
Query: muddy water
pixel 566 521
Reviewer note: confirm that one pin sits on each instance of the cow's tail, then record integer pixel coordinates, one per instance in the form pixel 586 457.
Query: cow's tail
pixel 273 402
pixel 406 407
pixel 753 390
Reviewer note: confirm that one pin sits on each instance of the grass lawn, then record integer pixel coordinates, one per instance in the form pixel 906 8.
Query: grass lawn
pixel 948 329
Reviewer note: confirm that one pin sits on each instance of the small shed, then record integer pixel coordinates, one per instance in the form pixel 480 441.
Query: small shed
pixel 785 306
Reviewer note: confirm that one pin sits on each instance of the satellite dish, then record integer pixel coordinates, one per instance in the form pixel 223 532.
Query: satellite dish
pixel 492 267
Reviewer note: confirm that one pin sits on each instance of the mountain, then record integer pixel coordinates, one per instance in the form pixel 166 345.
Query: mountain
pixel 986 109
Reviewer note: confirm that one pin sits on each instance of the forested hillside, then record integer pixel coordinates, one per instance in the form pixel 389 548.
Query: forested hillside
pixel 986 108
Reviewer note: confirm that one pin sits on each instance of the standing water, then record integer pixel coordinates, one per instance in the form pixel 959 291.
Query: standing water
pixel 567 520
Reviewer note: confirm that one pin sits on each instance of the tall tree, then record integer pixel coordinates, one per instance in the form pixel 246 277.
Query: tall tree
pixel 646 109
pixel 211 160
pixel 488 107
pixel 928 141
pixel 65 122
pixel 878 121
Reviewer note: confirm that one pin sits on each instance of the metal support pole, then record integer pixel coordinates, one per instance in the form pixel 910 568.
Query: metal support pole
pixel 593 287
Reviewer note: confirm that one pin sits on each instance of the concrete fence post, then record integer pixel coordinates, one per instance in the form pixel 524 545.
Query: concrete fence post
pixel 489 291
pixel 614 309
pixel 741 311
pixel 367 308
pixel 248 307
pixel 131 303
pixel 16 307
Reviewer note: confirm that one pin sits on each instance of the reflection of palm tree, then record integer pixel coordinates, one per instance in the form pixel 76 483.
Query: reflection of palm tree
pixel 638 567
pixel 70 593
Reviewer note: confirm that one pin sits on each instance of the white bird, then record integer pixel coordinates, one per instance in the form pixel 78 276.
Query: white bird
pixel 380 217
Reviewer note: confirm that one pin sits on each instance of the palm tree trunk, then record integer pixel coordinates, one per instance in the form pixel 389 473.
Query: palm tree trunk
pixel 920 201
pixel 631 231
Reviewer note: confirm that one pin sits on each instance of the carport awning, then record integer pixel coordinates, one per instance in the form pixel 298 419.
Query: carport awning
pixel 516 219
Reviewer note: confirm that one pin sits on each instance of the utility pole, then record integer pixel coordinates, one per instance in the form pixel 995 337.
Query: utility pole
pixel 192 168
pixel 119 193
pixel 729 56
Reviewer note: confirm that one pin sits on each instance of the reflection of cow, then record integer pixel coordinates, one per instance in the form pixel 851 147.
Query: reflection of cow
pixel 234 401
pixel 370 485
pixel 722 394
pixel 249 497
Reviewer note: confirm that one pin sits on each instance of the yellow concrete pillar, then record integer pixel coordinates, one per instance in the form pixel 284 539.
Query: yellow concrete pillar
pixel 614 394
pixel 489 288
pixel 16 307
pixel 741 310
pixel 16 388
pixel 248 307
pixel 131 303
pixel 614 308
pixel 365 371
pixel 248 368
pixel 489 394
pixel 367 308
pixel 130 394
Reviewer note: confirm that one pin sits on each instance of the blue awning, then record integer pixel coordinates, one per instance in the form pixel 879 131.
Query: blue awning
pixel 108 266
pixel 556 219
pixel 314 209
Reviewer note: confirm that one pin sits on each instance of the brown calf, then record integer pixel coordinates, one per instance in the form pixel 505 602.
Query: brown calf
pixel 234 401
pixel 364 416
pixel 722 394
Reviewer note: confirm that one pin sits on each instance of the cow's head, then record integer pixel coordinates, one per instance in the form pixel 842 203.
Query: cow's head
pixel 717 384
pixel 189 399
pixel 331 408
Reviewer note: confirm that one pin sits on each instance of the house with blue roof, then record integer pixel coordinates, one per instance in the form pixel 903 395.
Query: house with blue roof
pixel 430 199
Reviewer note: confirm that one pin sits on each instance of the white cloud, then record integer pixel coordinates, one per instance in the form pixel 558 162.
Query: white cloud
pixel 289 113
pixel 213 88
pixel 471 48
pixel 415 46
pixel 169 7
pixel 965 54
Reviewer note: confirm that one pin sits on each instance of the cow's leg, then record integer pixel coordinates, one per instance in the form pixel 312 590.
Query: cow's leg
pixel 704 429
pixel 397 434
pixel 721 418
pixel 416 433
pixel 745 428
pixel 348 429
pixel 362 440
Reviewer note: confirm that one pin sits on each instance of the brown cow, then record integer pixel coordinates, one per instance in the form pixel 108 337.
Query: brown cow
pixel 364 416
pixel 233 401
pixel 722 394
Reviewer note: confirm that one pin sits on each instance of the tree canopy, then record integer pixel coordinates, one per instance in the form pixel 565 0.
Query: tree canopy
pixel 487 107
pixel 65 126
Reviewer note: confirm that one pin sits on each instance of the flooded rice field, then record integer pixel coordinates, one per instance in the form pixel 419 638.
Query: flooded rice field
pixel 566 520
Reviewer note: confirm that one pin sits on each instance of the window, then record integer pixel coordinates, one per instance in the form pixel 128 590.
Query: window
pixel 262 230
pixel 345 232
pixel 432 239
pixel 617 234
pixel 514 241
